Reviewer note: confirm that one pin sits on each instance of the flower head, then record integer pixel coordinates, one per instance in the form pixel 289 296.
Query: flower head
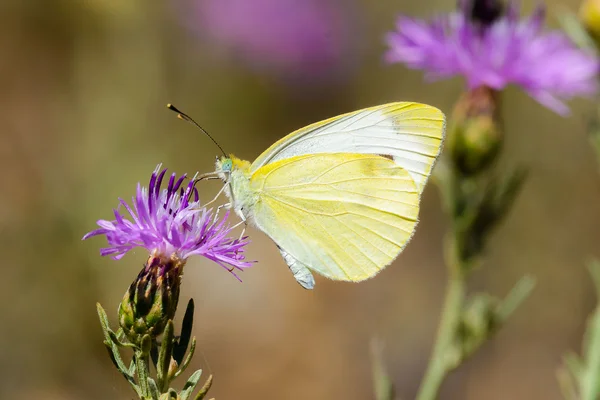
pixel 298 40
pixel 170 223
pixel 493 47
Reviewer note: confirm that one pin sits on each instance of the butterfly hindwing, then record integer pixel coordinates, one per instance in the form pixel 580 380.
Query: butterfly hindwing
pixel 345 216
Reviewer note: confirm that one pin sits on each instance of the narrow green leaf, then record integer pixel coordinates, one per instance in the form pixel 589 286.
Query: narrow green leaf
pixel 103 317
pixel 188 359
pixel 202 393
pixel 113 350
pixel 121 335
pixel 190 385
pixel 164 356
pixel 515 297
pixel 186 333
pixel 115 339
pixel 153 388
pixel 132 366
pixel 108 339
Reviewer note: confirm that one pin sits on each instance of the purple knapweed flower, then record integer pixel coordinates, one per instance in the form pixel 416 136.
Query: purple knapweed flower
pixel 297 40
pixel 496 50
pixel 170 223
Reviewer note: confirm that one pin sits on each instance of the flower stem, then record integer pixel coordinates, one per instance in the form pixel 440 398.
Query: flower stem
pixel 589 377
pixel 142 366
pixel 441 361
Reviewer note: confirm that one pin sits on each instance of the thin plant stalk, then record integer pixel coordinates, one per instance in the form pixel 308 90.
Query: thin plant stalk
pixel 451 313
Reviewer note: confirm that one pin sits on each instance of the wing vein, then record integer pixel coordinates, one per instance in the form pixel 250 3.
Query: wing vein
pixel 342 250
pixel 350 212
pixel 367 240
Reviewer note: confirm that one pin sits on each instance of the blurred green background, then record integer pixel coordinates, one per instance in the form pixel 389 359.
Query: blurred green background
pixel 83 91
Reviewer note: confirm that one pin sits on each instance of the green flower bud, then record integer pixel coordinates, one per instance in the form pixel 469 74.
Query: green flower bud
pixel 479 321
pixel 475 137
pixel 152 298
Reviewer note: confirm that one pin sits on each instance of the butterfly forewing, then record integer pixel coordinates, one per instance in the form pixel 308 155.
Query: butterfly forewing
pixel 409 133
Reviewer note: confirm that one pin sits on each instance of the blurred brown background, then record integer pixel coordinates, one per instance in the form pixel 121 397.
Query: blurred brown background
pixel 83 91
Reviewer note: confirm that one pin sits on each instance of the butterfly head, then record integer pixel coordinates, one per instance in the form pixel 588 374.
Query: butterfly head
pixel 235 173
pixel 226 166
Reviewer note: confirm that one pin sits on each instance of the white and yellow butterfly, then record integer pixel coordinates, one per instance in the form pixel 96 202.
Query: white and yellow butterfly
pixel 341 196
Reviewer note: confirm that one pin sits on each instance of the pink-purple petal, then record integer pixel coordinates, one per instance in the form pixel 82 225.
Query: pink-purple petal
pixel 507 51
pixel 165 221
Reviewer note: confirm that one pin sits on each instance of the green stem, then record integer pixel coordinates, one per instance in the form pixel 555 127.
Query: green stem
pixel 589 382
pixel 142 366
pixel 441 361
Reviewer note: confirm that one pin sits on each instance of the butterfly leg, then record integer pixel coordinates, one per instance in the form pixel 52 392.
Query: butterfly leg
pixel 243 229
pixel 215 198
pixel 226 205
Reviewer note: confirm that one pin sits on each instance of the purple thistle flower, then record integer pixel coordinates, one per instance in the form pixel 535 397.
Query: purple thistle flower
pixel 297 40
pixel 503 51
pixel 168 224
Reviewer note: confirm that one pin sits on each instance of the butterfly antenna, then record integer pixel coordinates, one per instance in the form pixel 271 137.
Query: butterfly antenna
pixel 183 116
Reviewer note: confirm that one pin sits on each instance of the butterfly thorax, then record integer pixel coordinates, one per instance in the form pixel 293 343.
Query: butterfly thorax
pixel 236 175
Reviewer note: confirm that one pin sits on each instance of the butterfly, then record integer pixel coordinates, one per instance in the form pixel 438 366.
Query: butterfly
pixel 340 197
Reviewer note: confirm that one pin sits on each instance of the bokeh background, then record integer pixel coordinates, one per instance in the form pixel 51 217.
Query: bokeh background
pixel 82 107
